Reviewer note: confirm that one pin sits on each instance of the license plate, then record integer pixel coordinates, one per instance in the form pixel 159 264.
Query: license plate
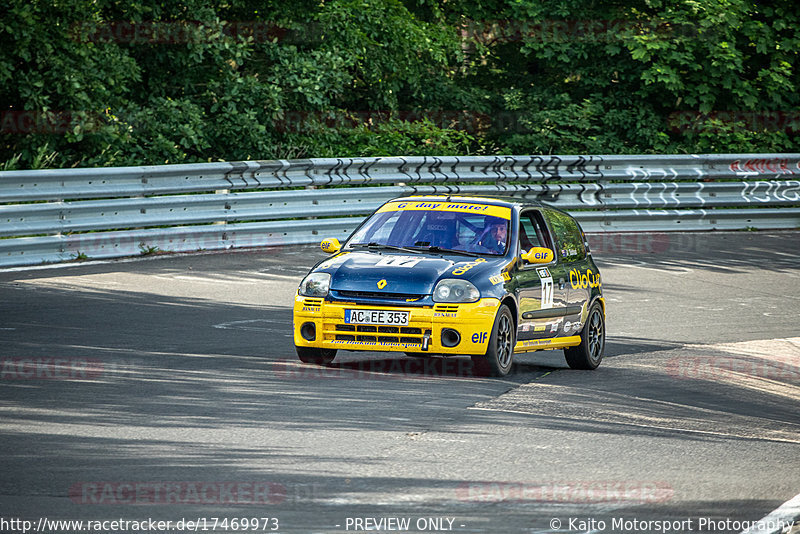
pixel 385 317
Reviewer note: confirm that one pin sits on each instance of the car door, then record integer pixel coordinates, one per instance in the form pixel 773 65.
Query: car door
pixel 541 289
pixel 579 271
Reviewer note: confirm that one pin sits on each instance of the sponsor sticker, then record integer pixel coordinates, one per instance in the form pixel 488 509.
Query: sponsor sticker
pixel 479 337
pixel 398 261
pixel 464 268
pixel 547 287
pixel 580 280
pixel 466 207
pixel 574 326
pixel 500 278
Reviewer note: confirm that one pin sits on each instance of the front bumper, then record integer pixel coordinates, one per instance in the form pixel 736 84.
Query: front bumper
pixel 473 322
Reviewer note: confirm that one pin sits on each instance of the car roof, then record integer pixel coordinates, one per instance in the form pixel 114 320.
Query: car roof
pixel 492 200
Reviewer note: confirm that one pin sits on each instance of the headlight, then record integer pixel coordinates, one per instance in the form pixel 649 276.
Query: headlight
pixel 452 290
pixel 315 285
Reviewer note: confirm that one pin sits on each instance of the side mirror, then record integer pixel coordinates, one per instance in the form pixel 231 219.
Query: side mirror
pixel 330 245
pixel 538 255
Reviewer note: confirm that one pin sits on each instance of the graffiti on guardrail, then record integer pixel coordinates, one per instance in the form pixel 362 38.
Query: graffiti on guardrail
pixel 700 194
pixel 769 191
pixel 658 173
pixel 756 166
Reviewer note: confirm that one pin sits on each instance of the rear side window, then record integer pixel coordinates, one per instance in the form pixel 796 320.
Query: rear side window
pixel 569 243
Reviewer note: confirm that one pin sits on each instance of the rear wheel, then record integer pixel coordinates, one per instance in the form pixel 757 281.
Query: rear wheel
pixel 589 353
pixel 315 356
pixel 500 352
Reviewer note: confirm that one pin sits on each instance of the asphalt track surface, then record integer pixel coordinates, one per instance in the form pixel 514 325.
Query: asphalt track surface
pixel 167 388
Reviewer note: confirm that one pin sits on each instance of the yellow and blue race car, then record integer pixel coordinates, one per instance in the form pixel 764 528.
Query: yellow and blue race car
pixel 443 275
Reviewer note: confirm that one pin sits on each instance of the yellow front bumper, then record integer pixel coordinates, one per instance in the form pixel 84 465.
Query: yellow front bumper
pixel 472 321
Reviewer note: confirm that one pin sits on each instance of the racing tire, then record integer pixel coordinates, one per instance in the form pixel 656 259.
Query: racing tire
pixel 589 353
pixel 315 356
pixel 500 353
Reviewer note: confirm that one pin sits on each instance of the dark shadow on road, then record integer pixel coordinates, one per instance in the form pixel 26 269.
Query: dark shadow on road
pixel 96 477
pixel 168 380
pixel 716 252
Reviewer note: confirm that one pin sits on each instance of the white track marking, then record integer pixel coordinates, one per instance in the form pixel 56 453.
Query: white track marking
pixel 638 264
pixel 779 520
pixel 251 325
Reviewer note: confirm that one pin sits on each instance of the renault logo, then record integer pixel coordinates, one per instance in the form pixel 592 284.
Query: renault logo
pixel 381 284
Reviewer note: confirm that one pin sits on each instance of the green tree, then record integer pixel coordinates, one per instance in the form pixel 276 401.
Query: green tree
pixel 88 83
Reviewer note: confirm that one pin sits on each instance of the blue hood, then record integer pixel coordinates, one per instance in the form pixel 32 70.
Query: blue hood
pixel 415 274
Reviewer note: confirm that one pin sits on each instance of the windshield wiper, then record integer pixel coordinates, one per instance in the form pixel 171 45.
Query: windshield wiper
pixel 374 245
pixel 434 248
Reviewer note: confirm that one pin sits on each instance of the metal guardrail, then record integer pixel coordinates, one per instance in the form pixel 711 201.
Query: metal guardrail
pixel 58 215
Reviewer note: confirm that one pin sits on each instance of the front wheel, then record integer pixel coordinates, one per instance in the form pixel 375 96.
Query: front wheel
pixel 500 352
pixel 589 353
pixel 315 356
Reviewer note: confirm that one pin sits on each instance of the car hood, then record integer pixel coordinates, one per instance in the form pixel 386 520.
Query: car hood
pixel 415 274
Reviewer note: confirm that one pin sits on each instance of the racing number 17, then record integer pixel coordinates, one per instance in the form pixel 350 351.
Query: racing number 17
pixel 547 293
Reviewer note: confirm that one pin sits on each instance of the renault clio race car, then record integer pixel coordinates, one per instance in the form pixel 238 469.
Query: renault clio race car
pixel 445 275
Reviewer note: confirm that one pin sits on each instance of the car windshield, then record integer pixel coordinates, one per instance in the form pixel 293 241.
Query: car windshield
pixel 409 226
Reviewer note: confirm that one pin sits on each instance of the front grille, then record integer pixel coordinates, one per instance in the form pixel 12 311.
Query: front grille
pixel 359 328
pixel 382 329
pixel 335 329
pixel 446 308
pixel 312 303
pixel 361 333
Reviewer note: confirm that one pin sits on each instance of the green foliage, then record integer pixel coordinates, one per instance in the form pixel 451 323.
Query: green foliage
pixel 147 250
pixel 580 76
pixel 388 137
pixel 89 83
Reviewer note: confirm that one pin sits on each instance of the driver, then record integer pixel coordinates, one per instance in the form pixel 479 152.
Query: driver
pixel 495 238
